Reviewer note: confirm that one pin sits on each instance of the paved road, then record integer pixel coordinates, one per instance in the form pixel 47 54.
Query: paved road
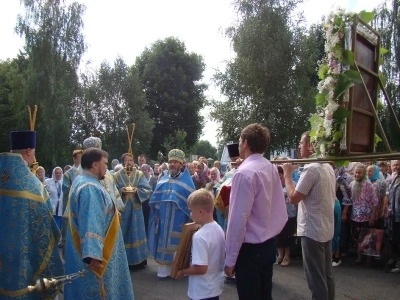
pixel 352 282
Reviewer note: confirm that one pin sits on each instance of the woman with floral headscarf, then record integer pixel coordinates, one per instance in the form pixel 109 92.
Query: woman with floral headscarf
pixel 380 186
pixel 200 179
pixel 365 205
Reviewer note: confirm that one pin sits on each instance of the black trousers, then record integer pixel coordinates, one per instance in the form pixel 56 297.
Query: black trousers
pixel 254 267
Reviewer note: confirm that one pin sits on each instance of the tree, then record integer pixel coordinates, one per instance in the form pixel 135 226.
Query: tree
pixel 204 148
pixel 170 77
pixel 111 100
pixel 387 22
pixel 54 45
pixel 270 79
pixel 176 140
pixel 12 80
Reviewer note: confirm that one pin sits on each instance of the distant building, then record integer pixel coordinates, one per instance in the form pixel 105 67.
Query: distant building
pixel 225 160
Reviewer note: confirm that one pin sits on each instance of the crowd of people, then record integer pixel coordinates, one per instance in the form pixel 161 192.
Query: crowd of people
pixel 110 221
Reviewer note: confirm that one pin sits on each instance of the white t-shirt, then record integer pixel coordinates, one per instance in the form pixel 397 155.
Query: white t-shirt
pixel 208 248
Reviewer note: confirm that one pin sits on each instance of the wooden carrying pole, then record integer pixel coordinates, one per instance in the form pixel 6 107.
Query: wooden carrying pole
pixel 363 157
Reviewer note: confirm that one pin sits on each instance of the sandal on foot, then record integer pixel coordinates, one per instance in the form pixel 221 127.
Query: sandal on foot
pixel 279 260
pixel 285 262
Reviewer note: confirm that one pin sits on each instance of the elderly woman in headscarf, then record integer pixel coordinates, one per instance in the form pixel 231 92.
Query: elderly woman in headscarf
pixel 54 187
pixel 365 205
pixel 380 186
pixel 200 179
pixel 215 176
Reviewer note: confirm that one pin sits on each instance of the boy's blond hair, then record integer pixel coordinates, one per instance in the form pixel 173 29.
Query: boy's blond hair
pixel 203 199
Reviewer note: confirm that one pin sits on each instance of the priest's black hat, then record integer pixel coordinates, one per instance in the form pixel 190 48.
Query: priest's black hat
pixel 233 149
pixel 23 139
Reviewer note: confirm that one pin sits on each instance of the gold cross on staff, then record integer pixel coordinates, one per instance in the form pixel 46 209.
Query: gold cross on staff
pixel 130 138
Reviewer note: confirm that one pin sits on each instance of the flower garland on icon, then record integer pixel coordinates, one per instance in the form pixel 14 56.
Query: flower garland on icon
pixel 328 125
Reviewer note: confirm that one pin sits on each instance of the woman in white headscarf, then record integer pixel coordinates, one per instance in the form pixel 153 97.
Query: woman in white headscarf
pixel 54 187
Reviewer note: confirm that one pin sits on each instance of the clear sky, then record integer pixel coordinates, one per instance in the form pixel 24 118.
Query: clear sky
pixel 126 27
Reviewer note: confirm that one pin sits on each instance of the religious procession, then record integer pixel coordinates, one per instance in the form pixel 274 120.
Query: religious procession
pixel 82 232
pixel 112 221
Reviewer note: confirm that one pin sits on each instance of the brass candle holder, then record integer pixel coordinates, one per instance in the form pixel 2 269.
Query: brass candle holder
pixel 129 188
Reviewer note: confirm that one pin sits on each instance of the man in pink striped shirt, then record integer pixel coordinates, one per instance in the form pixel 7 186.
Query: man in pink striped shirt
pixel 257 214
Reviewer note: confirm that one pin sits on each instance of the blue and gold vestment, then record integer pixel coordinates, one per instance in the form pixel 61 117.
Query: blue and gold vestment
pixel 28 232
pixel 94 232
pixel 132 220
pixel 169 212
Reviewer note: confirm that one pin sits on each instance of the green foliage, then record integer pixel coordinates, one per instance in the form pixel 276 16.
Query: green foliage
pixel 176 140
pixel 341 114
pixel 322 98
pixel 336 79
pixel 11 80
pixel 380 105
pixel 353 75
pixel 204 148
pixel 54 46
pixel 383 51
pixel 112 99
pixel 323 71
pixel 348 58
pixel 387 23
pixel 170 77
pixel 342 85
pixel 272 78
pixel 366 16
pixel 341 163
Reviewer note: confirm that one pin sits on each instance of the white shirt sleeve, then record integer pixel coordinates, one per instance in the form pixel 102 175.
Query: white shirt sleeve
pixel 199 251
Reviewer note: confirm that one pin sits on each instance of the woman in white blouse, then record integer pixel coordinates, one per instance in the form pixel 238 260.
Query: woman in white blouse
pixel 54 187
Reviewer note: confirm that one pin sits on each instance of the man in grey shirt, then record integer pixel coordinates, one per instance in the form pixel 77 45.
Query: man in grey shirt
pixel 315 196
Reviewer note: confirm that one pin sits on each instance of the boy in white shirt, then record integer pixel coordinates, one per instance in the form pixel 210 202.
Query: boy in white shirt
pixel 206 271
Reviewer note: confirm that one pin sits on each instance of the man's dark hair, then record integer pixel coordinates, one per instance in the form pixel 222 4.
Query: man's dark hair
pixel 257 137
pixel 123 157
pixel 91 155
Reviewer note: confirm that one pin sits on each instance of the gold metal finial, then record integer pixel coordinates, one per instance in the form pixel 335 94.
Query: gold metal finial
pixel 128 169
pixel 32 121
pixel 130 138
